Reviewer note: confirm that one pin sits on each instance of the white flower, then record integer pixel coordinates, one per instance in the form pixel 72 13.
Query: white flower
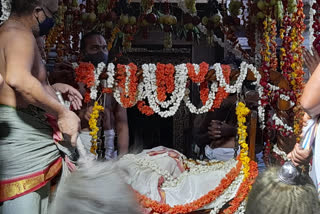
pixel 6 10
pixel 171 106
pixel 208 105
pixel 282 154
pixel 97 72
pixel 110 73
pixel 75 65
pixel 279 122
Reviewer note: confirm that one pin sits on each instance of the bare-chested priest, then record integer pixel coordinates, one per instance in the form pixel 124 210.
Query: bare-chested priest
pixel 28 156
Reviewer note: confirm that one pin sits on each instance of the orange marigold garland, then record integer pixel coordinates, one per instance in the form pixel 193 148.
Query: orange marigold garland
pixel 85 74
pixel 187 208
pixel 165 80
pixel 144 108
pixel 200 76
pixel 127 91
pixel 204 92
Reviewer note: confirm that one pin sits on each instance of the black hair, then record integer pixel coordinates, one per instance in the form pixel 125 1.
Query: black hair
pixel 87 36
pixel 24 7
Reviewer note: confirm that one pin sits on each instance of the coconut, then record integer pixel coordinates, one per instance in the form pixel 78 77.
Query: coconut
pixel 132 20
pixel 92 17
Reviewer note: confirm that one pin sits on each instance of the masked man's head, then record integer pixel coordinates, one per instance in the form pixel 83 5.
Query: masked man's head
pixel 94 48
pixel 41 14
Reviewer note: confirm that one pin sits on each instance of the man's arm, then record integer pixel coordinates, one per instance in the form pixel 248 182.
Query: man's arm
pixel 122 129
pixel 310 99
pixel 19 56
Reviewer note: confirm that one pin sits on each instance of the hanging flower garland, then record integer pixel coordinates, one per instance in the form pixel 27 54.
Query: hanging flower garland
pixel 85 74
pixel 208 104
pixel 250 168
pixel 279 125
pixel 144 108
pixel 5 10
pixel 126 89
pixel 315 25
pixel 297 66
pixel 180 82
pixel 197 73
pixel 114 34
pixel 89 76
pixel 313 20
pixel 93 126
pixel 187 208
pixel 222 94
pixel 165 80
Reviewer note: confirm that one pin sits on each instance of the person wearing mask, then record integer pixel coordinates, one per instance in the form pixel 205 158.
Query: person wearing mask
pixel 29 158
pixel 93 49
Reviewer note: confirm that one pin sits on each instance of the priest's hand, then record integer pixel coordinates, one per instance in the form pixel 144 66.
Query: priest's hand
pixel 300 156
pixel 69 125
pixel 71 93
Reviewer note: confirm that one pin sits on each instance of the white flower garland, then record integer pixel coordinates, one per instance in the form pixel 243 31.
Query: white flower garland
pixel 6 10
pixel 242 207
pixel 111 74
pixel 199 169
pixel 282 154
pixel 286 98
pixel 279 122
pixel 311 31
pixel 205 108
pixel 97 72
pixel 228 193
pixel 117 91
pixel 259 87
pixel 273 87
pixel 149 78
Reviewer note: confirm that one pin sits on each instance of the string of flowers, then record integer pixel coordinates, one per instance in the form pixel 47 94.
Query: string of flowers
pixel 85 74
pixel 5 10
pixel 279 125
pixel 93 126
pixel 242 111
pixel 165 80
pixel 312 17
pixel 316 26
pixel 127 84
pixel 280 153
pixel 94 87
pixel 144 108
pixel 114 34
pixel 180 82
pixel 192 206
pixel 222 94
pixel 197 73
pixel 297 65
pixel 250 168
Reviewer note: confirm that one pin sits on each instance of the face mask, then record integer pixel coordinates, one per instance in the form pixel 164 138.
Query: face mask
pixel 221 154
pixel 95 59
pixel 45 26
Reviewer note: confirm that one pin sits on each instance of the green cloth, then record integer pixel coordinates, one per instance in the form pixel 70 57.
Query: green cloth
pixel 26 144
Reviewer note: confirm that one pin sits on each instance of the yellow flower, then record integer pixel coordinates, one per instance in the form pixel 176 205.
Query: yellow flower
pixel 242 111
pixel 93 126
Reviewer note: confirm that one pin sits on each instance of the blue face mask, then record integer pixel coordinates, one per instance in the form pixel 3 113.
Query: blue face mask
pixel 46 25
pixel 95 59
